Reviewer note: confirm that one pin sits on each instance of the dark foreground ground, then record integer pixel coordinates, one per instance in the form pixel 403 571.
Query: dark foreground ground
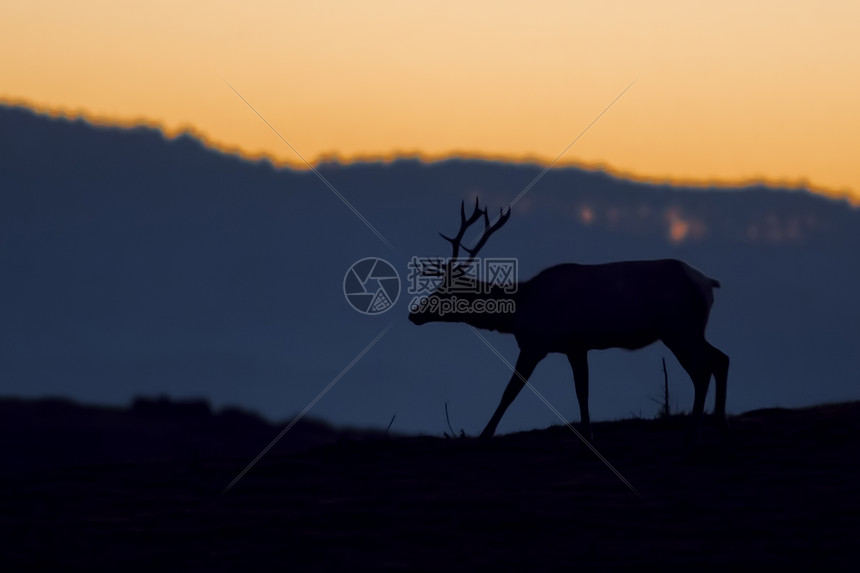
pixel 92 489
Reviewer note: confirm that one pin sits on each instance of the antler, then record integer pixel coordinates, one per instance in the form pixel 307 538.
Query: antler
pixel 489 229
pixel 464 224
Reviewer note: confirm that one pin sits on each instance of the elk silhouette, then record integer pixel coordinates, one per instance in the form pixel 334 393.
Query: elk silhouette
pixel 573 308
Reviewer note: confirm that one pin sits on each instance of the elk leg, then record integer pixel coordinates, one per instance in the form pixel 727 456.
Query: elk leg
pixel 720 368
pixel 579 364
pixel 526 363
pixel 694 357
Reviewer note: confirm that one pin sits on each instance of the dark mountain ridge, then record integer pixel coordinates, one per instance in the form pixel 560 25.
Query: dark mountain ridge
pixel 132 264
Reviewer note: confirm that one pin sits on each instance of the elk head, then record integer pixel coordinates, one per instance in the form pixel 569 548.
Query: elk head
pixel 452 300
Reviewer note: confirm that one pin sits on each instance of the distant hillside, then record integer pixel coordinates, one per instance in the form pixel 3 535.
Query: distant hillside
pixel 135 265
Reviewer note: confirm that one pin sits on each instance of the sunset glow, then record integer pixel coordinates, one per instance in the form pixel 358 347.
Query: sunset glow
pixel 726 93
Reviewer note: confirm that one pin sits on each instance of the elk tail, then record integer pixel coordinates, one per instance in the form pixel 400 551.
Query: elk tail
pixel 714 282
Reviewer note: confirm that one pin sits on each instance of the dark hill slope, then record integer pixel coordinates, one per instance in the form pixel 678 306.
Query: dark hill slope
pixel 783 491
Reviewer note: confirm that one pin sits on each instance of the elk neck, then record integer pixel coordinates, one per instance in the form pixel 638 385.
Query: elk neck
pixel 499 308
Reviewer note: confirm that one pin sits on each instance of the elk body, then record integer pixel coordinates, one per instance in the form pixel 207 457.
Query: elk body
pixel 573 308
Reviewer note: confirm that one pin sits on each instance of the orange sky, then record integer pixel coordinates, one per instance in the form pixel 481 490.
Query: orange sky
pixel 734 91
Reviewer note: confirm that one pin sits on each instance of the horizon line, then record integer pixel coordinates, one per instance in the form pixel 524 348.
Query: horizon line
pixel 213 144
